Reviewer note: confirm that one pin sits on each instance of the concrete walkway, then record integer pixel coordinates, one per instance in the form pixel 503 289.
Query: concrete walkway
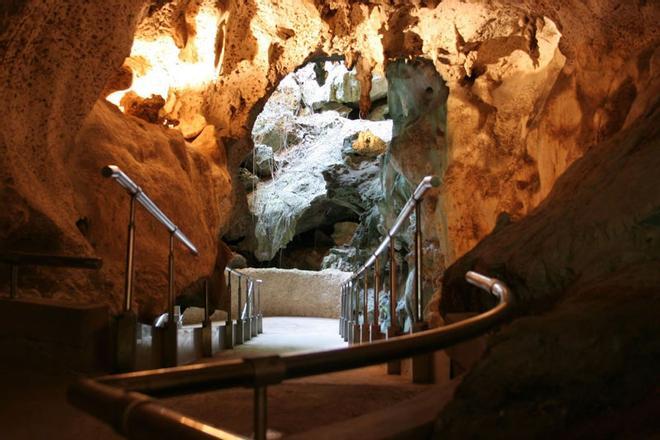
pixel 299 405
pixel 289 335
pixel 33 403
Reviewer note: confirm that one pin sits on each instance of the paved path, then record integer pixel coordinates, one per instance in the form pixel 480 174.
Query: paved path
pixel 288 335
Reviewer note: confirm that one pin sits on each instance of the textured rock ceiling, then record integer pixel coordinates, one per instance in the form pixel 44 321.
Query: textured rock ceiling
pixel 532 86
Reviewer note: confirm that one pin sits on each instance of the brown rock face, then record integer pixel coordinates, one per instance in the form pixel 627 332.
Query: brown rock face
pixel 56 59
pixel 532 86
pixel 189 182
pixel 594 243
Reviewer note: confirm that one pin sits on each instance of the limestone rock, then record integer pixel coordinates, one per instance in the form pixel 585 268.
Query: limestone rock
pixel 274 126
pixel 189 182
pixel 590 251
pixel 295 292
pixel 366 144
pixel 298 200
pixel 346 88
pixel 147 109
pixel 247 179
pixel 379 113
pixel 262 161
pixel 343 232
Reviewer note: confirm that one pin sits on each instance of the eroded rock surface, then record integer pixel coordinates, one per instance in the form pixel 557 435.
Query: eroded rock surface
pixel 532 87
pixel 593 243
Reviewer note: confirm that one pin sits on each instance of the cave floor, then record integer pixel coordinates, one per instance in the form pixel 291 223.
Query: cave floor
pixel 33 403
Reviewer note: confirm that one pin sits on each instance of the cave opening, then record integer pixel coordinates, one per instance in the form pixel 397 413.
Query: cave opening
pixel 313 178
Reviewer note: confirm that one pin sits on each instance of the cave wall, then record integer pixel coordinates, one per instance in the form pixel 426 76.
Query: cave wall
pixel 584 268
pixel 532 86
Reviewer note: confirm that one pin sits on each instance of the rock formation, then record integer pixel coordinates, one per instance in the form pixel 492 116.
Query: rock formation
pixel 497 98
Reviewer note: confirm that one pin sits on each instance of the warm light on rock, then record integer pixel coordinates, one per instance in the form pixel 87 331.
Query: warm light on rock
pixel 169 68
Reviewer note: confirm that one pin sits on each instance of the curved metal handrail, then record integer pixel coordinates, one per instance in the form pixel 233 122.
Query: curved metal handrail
pixel 113 171
pixel 101 398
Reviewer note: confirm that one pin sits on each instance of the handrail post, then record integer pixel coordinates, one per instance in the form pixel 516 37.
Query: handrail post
pixel 247 323
pixel 422 365
pixel 365 310
pixel 347 312
pixel 13 281
pixel 418 263
pixel 375 326
pixel 260 318
pixel 393 329
pixel 342 291
pixel 229 323
pixel 130 250
pixel 171 328
pixel 126 322
pixel 170 280
pixel 207 325
pixel 393 367
pixel 355 291
pixel 260 412
pixel 239 339
pixel 254 320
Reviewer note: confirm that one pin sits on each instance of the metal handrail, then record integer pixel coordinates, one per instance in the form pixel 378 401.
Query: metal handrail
pixel 134 190
pixel 250 311
pixel 101 398
pixel 127 321
pixel 353 288
pixel 425 184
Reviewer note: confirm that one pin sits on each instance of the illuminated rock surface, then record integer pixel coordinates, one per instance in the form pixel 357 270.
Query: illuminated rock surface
pixel 532 87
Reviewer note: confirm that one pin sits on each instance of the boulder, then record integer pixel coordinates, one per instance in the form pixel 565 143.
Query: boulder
pixel 346 88
pixel 379 113
pixel 309 189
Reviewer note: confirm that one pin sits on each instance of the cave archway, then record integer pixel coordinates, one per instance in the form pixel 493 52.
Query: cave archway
pixel 313 177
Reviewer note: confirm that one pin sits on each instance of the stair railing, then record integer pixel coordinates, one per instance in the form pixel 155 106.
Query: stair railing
pixel 127 321
pixel 249 318
pixel 18 259
pixel 121 400
pixel 354 291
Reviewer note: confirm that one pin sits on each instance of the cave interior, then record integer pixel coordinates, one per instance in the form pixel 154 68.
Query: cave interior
pixel 283 138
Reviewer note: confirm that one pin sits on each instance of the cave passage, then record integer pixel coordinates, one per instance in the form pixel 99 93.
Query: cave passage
pixel 313 178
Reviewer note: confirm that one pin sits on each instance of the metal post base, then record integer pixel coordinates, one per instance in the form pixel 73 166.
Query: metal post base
pixel 393 367
pixel 125 342
pixel 238 336
pixel 247 329
pixel 422 365
pixel 364 333
pixel 375 333
pixel 260 326
pixel 207 339
pixel 228 335
pixel 355 334
pixel 254 326
pixel 170 344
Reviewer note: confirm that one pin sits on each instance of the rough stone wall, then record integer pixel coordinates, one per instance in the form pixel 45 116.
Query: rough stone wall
pixel 586 262
pixel 188 181
pixel 294 292
pixel 532 86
